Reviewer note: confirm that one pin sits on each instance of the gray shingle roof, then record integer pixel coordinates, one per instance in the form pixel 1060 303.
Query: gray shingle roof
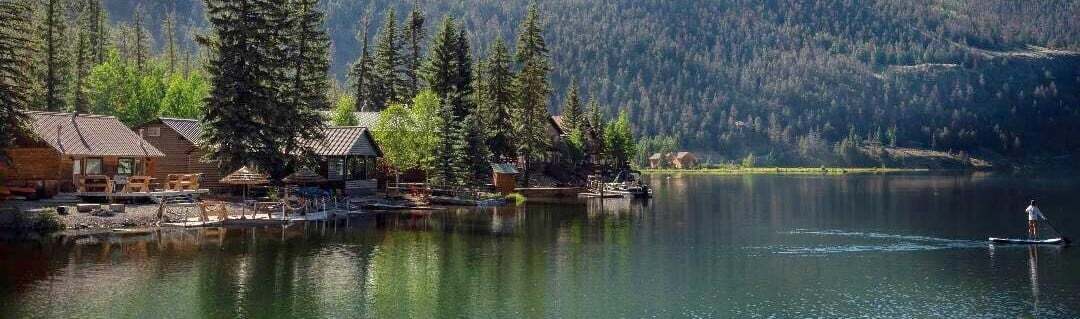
pixel 350 140
pixel 89 135
pixel 188 128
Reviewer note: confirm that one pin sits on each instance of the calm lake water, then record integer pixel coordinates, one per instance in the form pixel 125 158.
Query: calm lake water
pixel 706 246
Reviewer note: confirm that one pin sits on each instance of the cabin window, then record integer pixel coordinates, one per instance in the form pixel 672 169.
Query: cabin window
pixel 153 131
pixel 340 165
pixel 359 168
pixel 126 166
pixel 92 166
pixel 76 167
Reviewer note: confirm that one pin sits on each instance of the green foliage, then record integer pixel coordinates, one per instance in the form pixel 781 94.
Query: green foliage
pixel 344 112
pixel 412 34
pixel 495 97
pixel 532 89
pixel 185 95
pixel 387 66
pixel 118 88
pixel 573 113
pixel 16 56
pixel 619 142
pixel 517 198
pixel 53 69
pixel 749 161
pixel 407 135
pixel 647 146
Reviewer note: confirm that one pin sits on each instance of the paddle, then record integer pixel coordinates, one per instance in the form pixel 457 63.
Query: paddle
pixel 1063 237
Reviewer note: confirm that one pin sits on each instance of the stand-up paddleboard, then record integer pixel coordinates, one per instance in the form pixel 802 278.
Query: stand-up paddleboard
pixel 1051 241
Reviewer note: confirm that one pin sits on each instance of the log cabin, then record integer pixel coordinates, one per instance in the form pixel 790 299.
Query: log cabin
pixel 178 139
pixel 347 155
pixel 62 147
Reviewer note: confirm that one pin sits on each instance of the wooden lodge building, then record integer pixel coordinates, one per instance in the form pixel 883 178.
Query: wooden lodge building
pixel 64 148
pixel 347 155
pixel 178 138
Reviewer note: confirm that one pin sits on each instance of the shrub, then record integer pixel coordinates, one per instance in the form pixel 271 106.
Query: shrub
pixel 516 198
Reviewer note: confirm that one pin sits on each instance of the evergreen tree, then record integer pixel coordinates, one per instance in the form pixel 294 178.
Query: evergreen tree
pixel 309 67
pixel 168 28
pixel 532 91
pixel 388 66
pixel 55 57
pixel 239 121
pixel 97 30
pixel 16 55
pixel 83 63
pixel 363 79
pixel 496 97
pixel 573 113
pixel 141 40
pixel 412 34
pixel 451 157
pixel 441 70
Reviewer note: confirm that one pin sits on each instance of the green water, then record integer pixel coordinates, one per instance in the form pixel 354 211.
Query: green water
pixel 706 246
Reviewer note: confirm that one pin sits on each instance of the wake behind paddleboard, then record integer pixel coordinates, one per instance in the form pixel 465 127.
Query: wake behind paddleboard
pixel 1051 241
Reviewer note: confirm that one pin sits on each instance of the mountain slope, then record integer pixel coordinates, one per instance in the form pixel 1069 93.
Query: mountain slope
pixel 796 79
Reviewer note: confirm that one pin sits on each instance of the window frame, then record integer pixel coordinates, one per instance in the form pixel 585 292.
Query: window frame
pixel 153 131
pixel 100 166
pixel 131 166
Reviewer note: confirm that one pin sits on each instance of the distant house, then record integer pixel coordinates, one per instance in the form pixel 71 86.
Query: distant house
pixel 656 161
pixel 65 146
pixel 347 155
pixel 678 160
pixel 684 160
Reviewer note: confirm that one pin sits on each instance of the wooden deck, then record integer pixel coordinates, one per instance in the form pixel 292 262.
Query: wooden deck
pixel 137 195
pixel 261 219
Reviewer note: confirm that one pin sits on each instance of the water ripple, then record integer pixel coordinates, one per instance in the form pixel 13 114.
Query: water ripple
pixel 882 243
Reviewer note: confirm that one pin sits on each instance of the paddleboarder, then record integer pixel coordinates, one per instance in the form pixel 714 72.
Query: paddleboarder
pixel 1034 216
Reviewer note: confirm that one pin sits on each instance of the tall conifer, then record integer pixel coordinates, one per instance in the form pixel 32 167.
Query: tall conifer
pixel 532 91
pixel 412 34
pixel 388 65
pixel 572 112
pixel 55 57
pixel 496 98
pixel 16 55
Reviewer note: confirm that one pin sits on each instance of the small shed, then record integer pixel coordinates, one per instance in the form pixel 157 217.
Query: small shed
pixel 347 158
pixel 504 177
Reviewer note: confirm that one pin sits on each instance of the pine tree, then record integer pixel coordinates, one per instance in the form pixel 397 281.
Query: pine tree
pixel 141 40
pixel 363 78
pixel 387 65
pixel 239 120
pixel 496 96
pixel 83 63
pixel 441 70
pixel 532 91
pixel 412 34
pixel 572 112
pixel 16 55
pixel 168 28
pixel 309 68
pixel 451 158
pixel 55 56
pixel 97 31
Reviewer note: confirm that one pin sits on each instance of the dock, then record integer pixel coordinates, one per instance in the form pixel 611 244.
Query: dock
pixel 136 195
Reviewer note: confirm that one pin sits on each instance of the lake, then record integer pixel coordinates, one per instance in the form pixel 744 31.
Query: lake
pixel 898 246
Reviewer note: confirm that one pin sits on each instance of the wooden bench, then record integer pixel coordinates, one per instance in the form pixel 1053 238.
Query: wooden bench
pixel 95 183
pixel 180 182
pixel 137 184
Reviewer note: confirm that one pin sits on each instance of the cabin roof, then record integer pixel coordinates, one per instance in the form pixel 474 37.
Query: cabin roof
pixel 346 140
pixel 656 156
pixel 188 128
pixel 504 168
pixel 684 155
pixel 89 135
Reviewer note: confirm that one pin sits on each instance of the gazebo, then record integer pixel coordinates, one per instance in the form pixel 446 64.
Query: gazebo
pixel 245 176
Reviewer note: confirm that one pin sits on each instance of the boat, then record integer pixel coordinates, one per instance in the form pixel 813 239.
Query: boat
pixel 1018 241
pixel 627 184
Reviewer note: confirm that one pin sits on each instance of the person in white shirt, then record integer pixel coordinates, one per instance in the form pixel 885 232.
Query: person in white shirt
pixel 1034 215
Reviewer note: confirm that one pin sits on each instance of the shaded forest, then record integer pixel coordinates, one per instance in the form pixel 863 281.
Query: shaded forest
pixel 797 82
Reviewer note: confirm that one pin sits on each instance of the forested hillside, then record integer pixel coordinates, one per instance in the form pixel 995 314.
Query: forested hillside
pixel 794 81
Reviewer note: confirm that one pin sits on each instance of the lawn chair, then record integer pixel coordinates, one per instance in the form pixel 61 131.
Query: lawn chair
pixel 173 182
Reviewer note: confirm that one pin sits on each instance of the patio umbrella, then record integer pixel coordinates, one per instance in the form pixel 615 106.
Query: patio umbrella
pixel 304 176
pixel 247 177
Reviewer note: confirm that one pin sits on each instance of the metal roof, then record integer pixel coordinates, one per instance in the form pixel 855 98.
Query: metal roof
pixel 89 135
pixel 504 168
pixel 188 128
pixel 346 140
